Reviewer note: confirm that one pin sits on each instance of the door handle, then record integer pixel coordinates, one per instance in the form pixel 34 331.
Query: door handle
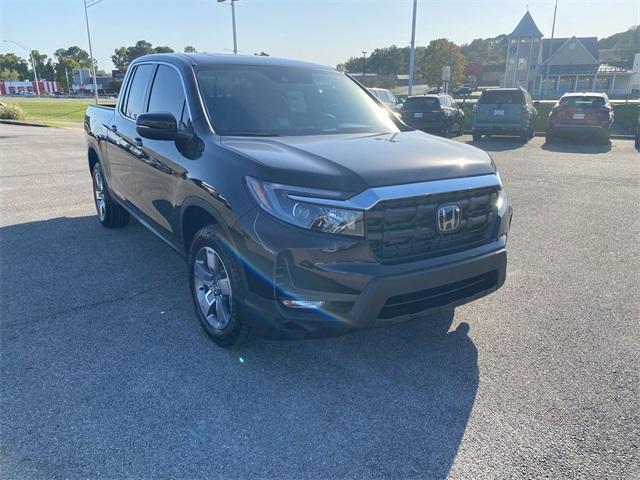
pixel 138 141
pixel 114 128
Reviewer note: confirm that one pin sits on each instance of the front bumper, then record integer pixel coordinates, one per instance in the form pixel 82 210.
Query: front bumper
pixel 357 291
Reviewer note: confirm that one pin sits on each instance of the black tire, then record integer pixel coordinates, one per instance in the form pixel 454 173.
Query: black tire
pixel 549 137
pixel 110 214
pixel 236 331
pixel 605 139
pixel 477 137
pixel 532 133
pixel 524 137
pixel 438 324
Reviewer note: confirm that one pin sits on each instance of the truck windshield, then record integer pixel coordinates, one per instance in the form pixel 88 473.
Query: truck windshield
pixel 277 101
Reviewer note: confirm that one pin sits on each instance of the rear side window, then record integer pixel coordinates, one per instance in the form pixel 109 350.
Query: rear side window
pixel 425 103
pixel 137 91
pixel 501 97
pixel 167 94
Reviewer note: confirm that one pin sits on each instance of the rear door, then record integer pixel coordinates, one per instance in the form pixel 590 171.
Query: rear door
pixel 158 171
pixel 583 110
pixel 500 106
pixel 124 146
pixel 423 112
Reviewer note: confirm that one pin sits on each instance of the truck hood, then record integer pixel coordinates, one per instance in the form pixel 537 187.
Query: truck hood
pixel 351 163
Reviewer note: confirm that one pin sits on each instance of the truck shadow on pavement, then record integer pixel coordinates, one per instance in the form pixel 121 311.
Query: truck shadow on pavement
pixel 497 144
pixel 106 372
pixel 580 146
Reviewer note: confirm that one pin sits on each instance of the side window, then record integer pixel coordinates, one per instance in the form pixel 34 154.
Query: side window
pixel 137 90
pixel 167 94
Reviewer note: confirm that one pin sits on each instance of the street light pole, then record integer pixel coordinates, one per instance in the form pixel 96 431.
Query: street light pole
pixel 233 22
pixel 33 63
pixel 412 51
pixel 93 64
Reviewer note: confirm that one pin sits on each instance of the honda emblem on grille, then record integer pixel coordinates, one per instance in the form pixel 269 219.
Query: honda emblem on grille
pixel 448 218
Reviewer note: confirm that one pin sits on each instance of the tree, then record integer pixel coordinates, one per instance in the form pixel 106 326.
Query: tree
pixel 439 53
pixel 44 66
pixel 120 58
pixel 190 49
pixel 13 67
pixel 73 54
pixel 486 50
pixel 123 56
pixel 163 50
pixel 6 74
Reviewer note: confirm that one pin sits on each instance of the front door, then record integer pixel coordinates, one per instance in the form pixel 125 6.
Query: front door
pixel 158 171
pixel 124 143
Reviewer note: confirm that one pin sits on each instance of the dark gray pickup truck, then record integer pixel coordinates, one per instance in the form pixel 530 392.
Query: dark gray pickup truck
pixel 303 206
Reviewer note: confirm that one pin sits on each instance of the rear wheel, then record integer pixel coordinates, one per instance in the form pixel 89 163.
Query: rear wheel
pixel 524 137
pixel 110 214
pixel 477 137
pixel 605 138
pixel 549 137
pixel 217 290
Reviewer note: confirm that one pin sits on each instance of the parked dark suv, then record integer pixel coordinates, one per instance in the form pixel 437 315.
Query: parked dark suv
pixel 303 206
pixel 433 113
pixel 504 111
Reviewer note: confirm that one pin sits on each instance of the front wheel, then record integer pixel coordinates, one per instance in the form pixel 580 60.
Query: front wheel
pixel 217 289
pixel 110 214
pixel 477 137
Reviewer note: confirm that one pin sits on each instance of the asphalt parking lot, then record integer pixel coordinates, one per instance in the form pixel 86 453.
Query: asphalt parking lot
pixel 106 373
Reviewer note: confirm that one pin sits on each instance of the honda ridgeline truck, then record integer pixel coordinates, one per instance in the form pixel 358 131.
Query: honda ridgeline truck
pixel 302 205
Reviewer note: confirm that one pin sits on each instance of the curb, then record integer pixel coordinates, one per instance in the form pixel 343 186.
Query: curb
pixel 23 123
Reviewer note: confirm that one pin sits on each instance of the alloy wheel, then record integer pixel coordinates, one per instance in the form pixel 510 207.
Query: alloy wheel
pixel 212 288
pixel 98 192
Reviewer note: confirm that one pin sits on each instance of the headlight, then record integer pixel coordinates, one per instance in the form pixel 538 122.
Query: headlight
pixel 277 200
pixel 502 202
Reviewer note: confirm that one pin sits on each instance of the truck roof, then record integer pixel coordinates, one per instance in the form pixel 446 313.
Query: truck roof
pixel 212 59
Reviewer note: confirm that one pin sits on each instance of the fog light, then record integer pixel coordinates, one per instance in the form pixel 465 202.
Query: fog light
pixel 300 304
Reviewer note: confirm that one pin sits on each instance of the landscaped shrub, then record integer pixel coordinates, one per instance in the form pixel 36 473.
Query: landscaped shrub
pixel 11 112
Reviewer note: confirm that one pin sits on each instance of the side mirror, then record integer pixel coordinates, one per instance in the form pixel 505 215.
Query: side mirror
pixel 157 126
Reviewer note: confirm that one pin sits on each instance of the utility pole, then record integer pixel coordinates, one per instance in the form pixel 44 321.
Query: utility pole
pixel 93 63
pixel 412 51
pixel 553 32
pixel 33 62
pixel 233 21
pixel 66 74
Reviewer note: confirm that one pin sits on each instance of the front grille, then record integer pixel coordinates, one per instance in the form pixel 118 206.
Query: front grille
pixel 405 229
pixel 416 302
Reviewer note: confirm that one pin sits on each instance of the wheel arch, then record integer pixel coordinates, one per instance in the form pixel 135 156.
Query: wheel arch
pixel 195 214
pixel 93 157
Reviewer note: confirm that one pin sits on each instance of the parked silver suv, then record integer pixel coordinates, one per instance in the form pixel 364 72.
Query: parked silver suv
pixel 504 111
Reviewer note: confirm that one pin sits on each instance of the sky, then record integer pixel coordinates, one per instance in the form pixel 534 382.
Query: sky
pixel 322 31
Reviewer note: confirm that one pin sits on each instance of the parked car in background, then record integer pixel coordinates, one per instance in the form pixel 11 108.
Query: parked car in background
pixel 433 113
pixel 386 97
pixel 583 113
pixel 464 89
pixel 504 111
pixel 300 207
pixel 638 132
